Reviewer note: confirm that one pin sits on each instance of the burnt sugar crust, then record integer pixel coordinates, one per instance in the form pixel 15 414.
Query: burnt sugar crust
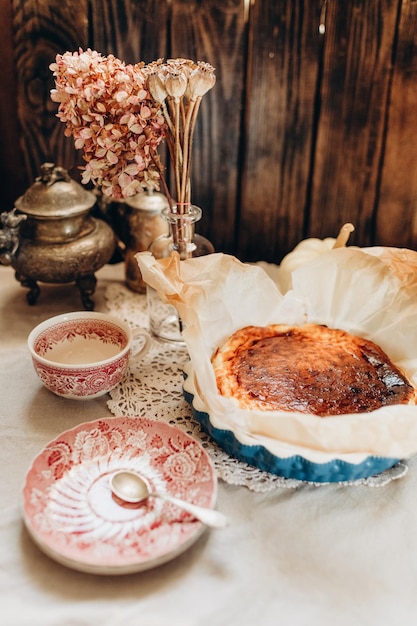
pixel 309 369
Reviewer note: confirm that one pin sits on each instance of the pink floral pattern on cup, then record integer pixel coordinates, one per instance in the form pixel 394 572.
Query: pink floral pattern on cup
pixel 88 329
pixel 92 382
pixel 83 355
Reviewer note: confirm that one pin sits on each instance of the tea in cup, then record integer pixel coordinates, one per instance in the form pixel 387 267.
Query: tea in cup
pixel 84 354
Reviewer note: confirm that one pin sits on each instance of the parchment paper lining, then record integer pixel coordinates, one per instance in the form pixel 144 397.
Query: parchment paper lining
pixel 344 288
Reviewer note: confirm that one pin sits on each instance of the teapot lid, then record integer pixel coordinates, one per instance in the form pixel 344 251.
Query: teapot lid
pixel 55 194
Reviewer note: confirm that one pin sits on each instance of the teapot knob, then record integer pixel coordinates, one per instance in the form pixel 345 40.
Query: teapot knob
pixel 50 174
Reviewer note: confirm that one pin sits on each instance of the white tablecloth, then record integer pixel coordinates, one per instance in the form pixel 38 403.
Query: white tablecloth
pixel 311 555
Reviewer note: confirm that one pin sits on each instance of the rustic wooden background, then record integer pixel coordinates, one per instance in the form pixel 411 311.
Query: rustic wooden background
pixel 303 131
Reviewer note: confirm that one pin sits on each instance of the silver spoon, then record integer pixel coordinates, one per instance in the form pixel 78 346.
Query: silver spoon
pixel 130 487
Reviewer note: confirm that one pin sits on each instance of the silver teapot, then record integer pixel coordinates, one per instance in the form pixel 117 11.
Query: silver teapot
pixel 50 236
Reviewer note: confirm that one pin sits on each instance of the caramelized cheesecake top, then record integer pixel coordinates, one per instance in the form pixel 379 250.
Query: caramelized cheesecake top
pixel 308 369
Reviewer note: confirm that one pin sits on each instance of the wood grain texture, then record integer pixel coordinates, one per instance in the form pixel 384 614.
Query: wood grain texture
pixel 301 133
pixel 132 30
pixel 214 31
pixel 354 96
pixel 283 68
pixel 396 212
pixel 41 30
pixel 13 175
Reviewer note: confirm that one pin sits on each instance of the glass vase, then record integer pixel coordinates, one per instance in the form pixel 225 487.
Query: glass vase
pixel 164 322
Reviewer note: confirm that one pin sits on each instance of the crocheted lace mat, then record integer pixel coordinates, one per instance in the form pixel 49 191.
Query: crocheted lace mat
pixel 153 389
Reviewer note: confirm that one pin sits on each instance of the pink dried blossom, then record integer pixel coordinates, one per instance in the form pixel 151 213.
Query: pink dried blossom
pixel 118 114
pixel 109 112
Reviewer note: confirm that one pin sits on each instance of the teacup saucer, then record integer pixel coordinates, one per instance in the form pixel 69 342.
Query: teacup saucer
pixel 71 514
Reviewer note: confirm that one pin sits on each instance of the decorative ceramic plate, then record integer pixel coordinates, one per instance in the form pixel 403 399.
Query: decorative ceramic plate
pixel 71 513
pixel 294 462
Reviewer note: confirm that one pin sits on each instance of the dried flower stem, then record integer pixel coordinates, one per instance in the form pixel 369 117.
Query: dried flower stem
pixel 190 123
pixel 184 83
pixel 179 161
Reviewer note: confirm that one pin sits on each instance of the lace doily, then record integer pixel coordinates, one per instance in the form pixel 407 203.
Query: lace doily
pixel 153 389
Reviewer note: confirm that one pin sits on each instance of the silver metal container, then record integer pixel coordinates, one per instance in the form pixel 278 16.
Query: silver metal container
pixel 51 237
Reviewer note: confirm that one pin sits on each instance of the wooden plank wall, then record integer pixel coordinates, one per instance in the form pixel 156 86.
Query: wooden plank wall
pixel 303 131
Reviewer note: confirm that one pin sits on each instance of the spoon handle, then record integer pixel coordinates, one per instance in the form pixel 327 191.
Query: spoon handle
pixel 209 517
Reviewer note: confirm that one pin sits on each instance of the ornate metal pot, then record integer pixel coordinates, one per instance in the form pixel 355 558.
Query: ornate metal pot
pixel 50 236
pixel 141 222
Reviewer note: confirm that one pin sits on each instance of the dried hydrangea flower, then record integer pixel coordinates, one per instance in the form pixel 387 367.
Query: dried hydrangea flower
pixel 109 112
pixel 118 114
